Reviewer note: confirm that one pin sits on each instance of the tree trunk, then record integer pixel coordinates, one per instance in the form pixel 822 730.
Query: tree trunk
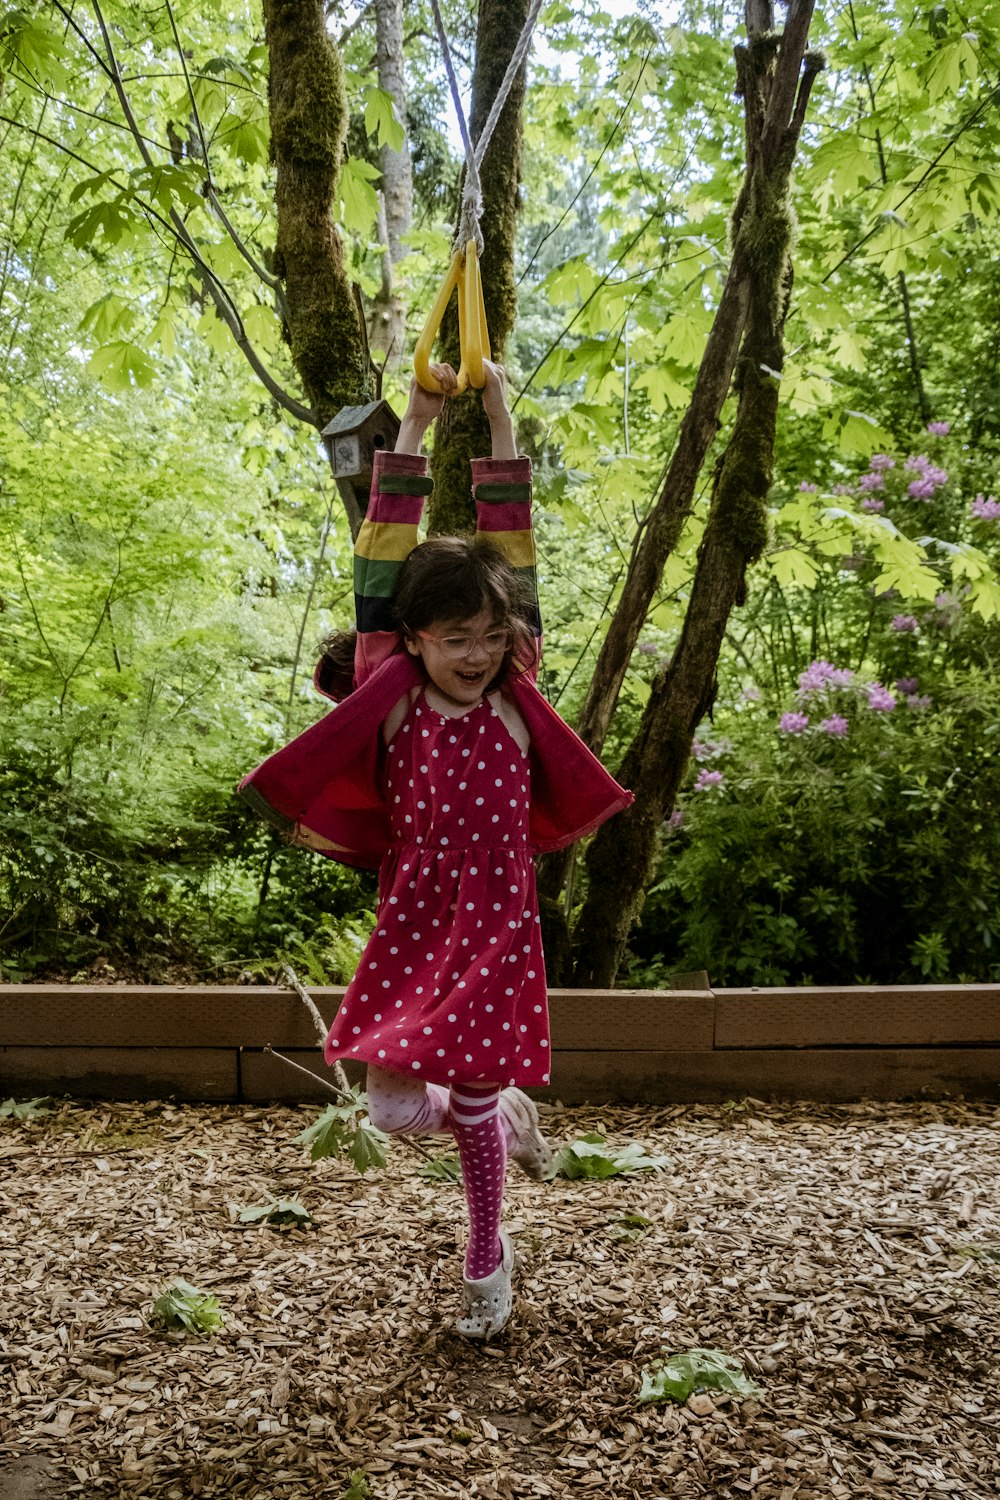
pixel 462 431
pixel 308 109
pixel 387 330
pixel 620 858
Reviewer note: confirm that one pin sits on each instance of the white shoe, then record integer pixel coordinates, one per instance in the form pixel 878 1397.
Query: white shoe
pixel 487 1303
pixel 532 1153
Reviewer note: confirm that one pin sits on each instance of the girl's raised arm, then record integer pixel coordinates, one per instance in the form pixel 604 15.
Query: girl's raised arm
pixel 501 487
pixel 388 534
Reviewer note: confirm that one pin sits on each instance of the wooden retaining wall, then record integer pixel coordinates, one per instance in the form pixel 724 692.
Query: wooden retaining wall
pixel 629 1046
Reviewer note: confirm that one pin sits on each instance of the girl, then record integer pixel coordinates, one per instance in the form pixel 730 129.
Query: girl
pixel 447 770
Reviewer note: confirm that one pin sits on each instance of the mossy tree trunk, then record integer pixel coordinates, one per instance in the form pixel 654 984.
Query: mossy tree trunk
pixel 462 432
pixel 775 92
pixel 308 110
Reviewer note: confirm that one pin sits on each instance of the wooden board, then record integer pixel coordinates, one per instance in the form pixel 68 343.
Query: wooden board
pixel 631 1020
pixel 191 1073
pixel 133 1015
pixel 830 1074
pixel 254 1016
pixel 886 1016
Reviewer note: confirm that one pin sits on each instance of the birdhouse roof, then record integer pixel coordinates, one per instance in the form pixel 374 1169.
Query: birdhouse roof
pixel 353 418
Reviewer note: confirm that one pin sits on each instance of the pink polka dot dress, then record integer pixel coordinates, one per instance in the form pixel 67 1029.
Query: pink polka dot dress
pixel 451 986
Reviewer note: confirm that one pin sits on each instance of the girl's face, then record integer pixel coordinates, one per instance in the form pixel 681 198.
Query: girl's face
pixel 462 657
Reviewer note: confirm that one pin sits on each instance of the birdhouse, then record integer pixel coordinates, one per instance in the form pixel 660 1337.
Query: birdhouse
pixel 354 437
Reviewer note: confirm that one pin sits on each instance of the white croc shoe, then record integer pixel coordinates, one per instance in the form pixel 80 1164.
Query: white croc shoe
pixel 532 1153
pixel 487 1303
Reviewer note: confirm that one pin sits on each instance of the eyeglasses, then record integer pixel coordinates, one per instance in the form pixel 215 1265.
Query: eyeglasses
pixel 458 647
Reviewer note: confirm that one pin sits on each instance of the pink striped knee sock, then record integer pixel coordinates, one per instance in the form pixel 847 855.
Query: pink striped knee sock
pixel 479 1135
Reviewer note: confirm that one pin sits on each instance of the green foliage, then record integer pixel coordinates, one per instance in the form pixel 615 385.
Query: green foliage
pixel 344 1130
pixel 283 1213
pixel 631 1226
pixel 590 1157
pixel 160 589
pixel 26 1109
pixel 442 1169
pixel 183 1306
pixel 359 1487
pixel 677 1376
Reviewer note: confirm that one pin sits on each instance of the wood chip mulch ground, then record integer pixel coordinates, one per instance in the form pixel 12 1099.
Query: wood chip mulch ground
pixel 848 1257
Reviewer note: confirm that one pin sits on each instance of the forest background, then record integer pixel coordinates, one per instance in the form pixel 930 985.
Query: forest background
pixel 173 549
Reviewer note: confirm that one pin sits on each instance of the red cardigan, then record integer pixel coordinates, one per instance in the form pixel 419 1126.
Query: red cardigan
pixel 325 788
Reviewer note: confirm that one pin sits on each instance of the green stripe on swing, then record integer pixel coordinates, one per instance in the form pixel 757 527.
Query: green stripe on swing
pixel 511 494
pixel 404 484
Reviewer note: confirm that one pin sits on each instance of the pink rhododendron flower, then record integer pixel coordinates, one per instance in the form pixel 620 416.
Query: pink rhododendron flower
pixel 904 623
pixel 986 508
pixel 808 489
pixel 707 780
pixel 869 503
pixel 906 685
pixel 820 675
pixel 880 698
pixel 939 429
pixel 872 482
pixel 836 726
pixel 793 723
pixel 881 461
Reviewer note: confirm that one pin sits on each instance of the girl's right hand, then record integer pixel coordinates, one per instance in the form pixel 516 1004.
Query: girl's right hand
pixel 426 405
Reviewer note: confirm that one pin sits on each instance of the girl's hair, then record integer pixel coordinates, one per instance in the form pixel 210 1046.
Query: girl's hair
pixel 445 578
pixel 455 578
pixel 334 675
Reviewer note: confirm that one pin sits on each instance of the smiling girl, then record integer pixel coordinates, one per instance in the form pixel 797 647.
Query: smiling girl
pixel 447 769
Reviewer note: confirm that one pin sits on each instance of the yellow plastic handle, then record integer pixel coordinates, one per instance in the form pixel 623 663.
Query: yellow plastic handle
pixel 473 333
pixel 474 338
pixel 425 343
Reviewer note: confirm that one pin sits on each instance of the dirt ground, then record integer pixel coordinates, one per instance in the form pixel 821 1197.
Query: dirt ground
pixel 848 1256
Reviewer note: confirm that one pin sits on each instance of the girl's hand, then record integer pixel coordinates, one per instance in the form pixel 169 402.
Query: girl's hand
pixel 426 405
pixel 495 392
pixel 495 407
pixel 423 407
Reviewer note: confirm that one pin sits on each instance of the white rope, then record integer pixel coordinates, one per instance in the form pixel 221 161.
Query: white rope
pixel 472 195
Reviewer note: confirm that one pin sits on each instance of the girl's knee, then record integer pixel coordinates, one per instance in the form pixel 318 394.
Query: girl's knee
pixel 394 1104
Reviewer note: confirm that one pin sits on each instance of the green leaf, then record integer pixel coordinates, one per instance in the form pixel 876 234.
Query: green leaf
pixel 282 1213
pixel 122 365
pixel 184 1306
pixel 106 316
pixel 27 1109
pixel 358 201
pixel 631 1226
pixel 856 433
pixel 591 1157
pixel 117 221
pixel 792 565
pixel 365 1148
pixel 442 1169
pixel 381 120
pixel 344 1130
pixel 359 1487
pixel 677 1376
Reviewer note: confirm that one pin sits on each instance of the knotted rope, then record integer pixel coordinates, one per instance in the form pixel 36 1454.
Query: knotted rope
pixel 472 195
